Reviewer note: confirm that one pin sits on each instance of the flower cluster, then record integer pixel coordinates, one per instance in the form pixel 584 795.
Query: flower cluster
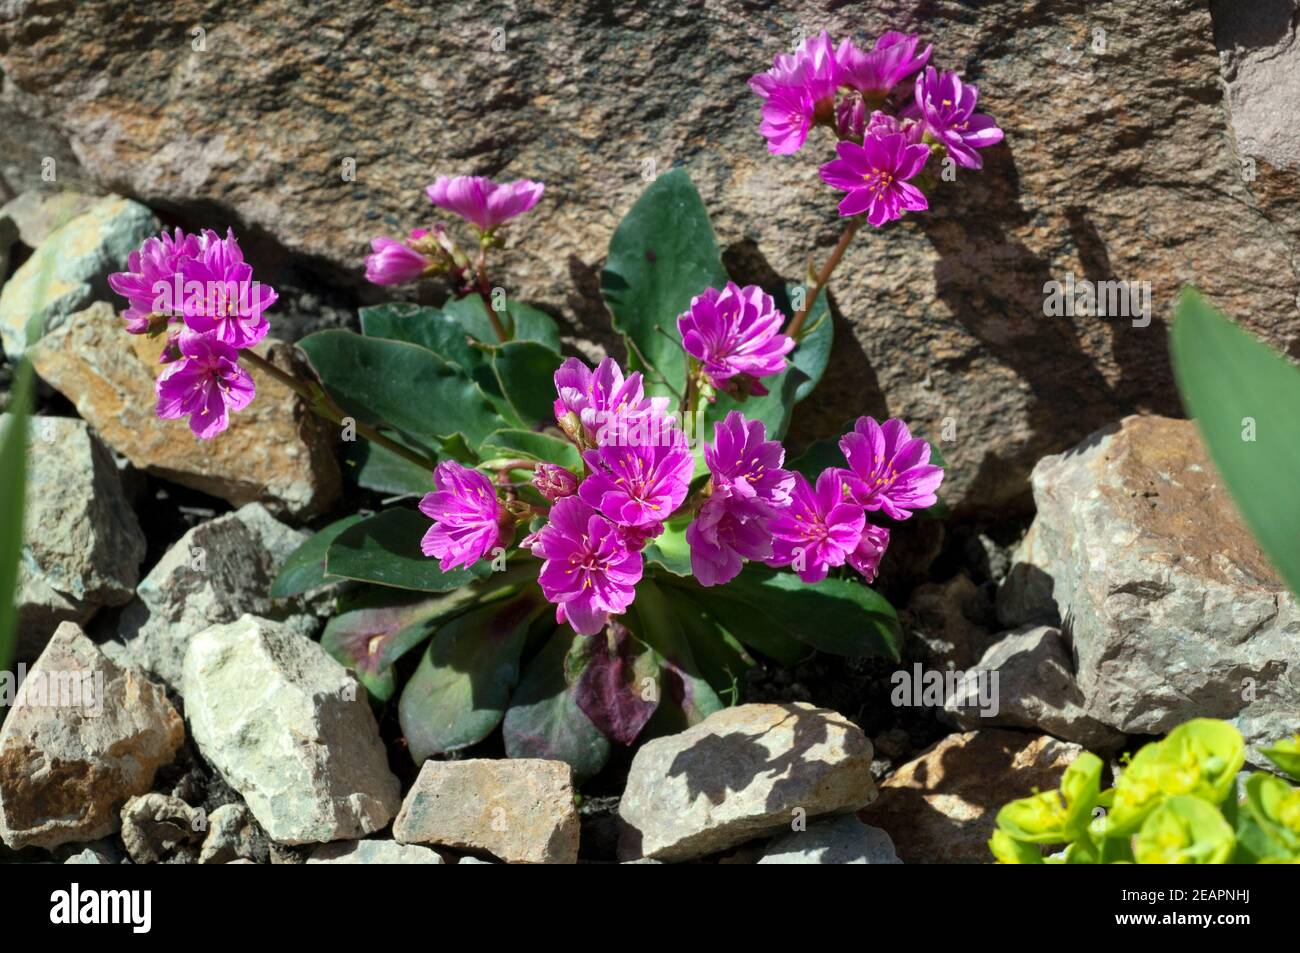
pixel 889 110
pixel 199 291
pixel 736 336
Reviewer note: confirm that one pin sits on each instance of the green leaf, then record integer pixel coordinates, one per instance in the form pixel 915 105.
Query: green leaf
pixel 1244 397
pixel 396 384
pixel 688 698
pixel 379 469
pixel 462 685
pixel 532 324
pixel 305 567
pixel 534 446
pixel 616 681
pixel 746 623
pixel 526 373
pixel 544 720
pixel 13 489
pixel 773 409
pixel 670 550
pixel 662 254
pixel 1286 755
pixel 385 549
pixel 814 350
pixel 522 322
pixel 722 658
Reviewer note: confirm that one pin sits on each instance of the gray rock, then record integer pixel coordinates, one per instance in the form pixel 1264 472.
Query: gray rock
pixel 289 729
pixel 1025 596
pixel 159 828
pixel 1172 610
pixel 215 573
pixel 518 809
pixel 233 833
pixel 37 213
pixel 70 269
pixel 93 854
pixel 82 737
pixel 845 840
pixel 946 619
pixel 1261 69
pixel 1035 689
pixel 475 860
pixel 82 546
pixel 742 773
pixel 373 852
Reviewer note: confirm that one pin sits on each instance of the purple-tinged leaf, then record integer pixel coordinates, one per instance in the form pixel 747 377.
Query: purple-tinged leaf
pixel 615 680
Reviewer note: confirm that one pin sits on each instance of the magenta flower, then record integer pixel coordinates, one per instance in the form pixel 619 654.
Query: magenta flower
pixel 589 571
pixel 727 530
pixel 221 295
pixel 483 203
pixel 798 89
pixel 149 281
pixel 554 482
pixel 637 486
pixel 883 124
pixel 394 262
pixel 871 549
pixel 205 384
pixel 613 409
pixel 735 333
pixel 875 176
pixel 947 107
pixel 786 118
pixel 876 73
pixel 467 519
pixel 889 469
pixel 819 528
pixel 742 459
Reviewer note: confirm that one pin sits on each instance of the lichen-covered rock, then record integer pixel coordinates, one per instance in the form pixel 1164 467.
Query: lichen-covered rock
pixel 37 213
pixel 519 809
pixel 217 572
pixel 1173 611
pixel 82 737
pixel 275 451
pixel 941 807
pixel 290 730
pixel 70 269
pixel 742 773
pixel 373 852
pixel 82 544
pixel 844 840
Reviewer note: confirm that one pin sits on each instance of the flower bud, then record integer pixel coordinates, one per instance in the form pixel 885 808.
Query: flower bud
pixel 554 482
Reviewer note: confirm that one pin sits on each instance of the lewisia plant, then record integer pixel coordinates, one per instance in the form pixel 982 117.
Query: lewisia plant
pixel 582 553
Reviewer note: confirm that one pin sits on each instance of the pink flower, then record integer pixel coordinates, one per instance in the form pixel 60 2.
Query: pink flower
pixel 819 528
pixel 467 519
pixel 799 88
pixel 150 277
pixel 638 486
pixel 394 262
pixel 554 482
pixel 221 295
pixel 589 571
pixel 727 530
pixel 742 459
pixel 947 107
pixel 875 176
pixel 735 332
pixel 612 409
pixel 876 73
pixel 871 549
pixel 889 469
pixel 483 203
pixel 883 124
pixel 205 383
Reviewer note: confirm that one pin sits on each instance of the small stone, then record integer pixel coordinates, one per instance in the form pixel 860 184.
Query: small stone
pixel 275 450
pixel 742 773
pixel 217 572
pixel 520 809
pixel 941 807
pixel 70 269
pixel 82 546
pixel 1035 688
pixel 37 213
pixel 91 855
pixel 66 769
pixel 290 729
pixel 947 618
pixel 373 852
pixel 845 840
pixel 474 860
pixel 158 829
pixel 233 833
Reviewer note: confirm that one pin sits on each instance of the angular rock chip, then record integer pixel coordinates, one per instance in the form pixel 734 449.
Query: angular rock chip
pixel 233 834
pixel 844 840
pixel 373 852
pixel 158 828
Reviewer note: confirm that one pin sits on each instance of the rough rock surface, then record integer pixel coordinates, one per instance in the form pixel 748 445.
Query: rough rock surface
pixel 290 730
pixel 845 840
pixel 275 451
pixel 70 269
pixel 233 834
pixel 1035 689
pixel 216 572
pixel 82 545
pixel 940 808
pixel 159 828
pixel 66 769
pixel 373 852
pixel 742 773
pixel 38 212
pixel 1172 610
pixel 1103 105
pixel 946 617
pixel 520 810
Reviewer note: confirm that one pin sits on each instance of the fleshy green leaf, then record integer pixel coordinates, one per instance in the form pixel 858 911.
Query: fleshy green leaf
pixel 13 489
pixel 670 550
pixel 813 352
pixel 687 698
pixel 1286 755
pixel 534 446
pixel 722 658
pixel 385 549
pixel 544 720
pixel 460 689
pixel 615 681
pixel 1244 397
pixel 305 567
pixel 522 322
pixel 526 372
pixel 747 623
pixel 662 254
pixel 773 409
pixel 1184 830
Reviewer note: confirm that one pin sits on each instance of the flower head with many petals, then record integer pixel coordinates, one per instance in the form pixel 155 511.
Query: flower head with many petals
pixel 467 517
pixel 205 384
pixel 221 296
pixel 946 105
pixel 888 63
pixel 889 469
pixel 483 203
pixel 612 409
pixel 818 530
pixel 638 486
pixel 735 333
pixel 589 571
pixel 875 176
pixel 799 88
pixel 871 549
pixel 150 277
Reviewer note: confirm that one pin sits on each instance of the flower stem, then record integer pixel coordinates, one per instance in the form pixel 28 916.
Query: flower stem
pixel 823 277
pixel 485 292
pixel 322 405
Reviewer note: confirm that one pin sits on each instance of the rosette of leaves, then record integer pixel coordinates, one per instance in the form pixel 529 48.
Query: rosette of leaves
pixel 462 652
pixel 1176 801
